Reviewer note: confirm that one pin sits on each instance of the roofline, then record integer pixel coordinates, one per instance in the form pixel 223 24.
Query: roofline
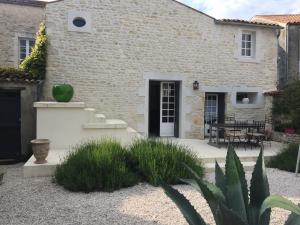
pixel 277 14
pixel 278 22
pixel 36 3
pixel 196 10
pixel 246 23
pixel 224 22
pixel 180 3
pixel 53 1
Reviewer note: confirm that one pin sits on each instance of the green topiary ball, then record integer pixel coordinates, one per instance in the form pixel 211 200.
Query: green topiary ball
pixel 62 92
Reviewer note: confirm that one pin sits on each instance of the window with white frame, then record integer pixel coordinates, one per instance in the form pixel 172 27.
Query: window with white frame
pixel 25 47
pixel 248 44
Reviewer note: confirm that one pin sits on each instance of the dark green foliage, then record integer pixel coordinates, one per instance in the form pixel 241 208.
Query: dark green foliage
pixel 7 73
pixel 106 166
pixel 279 127
pixel 286 159
pixel 287 105
pixel 96 166
pixel 163 160
pixel 35 63
pixel 228 199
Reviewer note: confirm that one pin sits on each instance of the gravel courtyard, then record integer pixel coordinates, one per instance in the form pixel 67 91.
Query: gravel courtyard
pixel 30 201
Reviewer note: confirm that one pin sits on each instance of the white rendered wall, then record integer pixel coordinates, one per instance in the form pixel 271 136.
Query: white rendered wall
pixel 66 125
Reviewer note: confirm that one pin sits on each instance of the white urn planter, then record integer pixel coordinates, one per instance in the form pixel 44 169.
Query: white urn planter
pixel 246 100
pixel 40 148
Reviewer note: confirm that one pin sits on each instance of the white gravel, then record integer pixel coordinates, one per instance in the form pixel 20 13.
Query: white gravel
pixel 33 201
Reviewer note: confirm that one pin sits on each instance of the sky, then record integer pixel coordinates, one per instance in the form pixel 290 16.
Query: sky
pixel 243 9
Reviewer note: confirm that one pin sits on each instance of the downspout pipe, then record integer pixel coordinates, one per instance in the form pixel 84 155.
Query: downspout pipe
pixel 39 89
pixel 287 54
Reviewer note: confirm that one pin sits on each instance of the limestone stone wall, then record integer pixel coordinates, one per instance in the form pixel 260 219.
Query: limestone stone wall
pixel 16 21
pixel 131 42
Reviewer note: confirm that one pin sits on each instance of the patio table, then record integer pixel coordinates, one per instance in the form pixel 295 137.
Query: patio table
pixel 220 126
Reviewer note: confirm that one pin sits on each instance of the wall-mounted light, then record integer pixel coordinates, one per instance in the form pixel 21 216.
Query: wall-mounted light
pixel 196 85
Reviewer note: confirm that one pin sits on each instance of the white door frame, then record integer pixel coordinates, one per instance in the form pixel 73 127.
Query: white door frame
pixel 184 106
pixel 167 129
pixel 206 126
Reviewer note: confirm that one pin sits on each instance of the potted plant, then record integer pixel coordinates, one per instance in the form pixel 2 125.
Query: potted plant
pixel 62 92
pixel 40 149
pixel 246 100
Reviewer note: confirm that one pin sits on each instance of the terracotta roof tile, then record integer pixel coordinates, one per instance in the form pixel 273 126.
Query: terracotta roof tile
pixel 34 3
pixel 285 19
pixel 237 21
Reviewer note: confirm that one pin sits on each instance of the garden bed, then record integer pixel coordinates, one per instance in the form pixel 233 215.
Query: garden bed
pixel 286 138
pixel 39 201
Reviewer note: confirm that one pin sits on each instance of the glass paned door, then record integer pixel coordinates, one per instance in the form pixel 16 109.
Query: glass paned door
pixel 167 109
pixel 211 111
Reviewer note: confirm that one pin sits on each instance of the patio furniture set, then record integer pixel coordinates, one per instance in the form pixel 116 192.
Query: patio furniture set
pixel 247 133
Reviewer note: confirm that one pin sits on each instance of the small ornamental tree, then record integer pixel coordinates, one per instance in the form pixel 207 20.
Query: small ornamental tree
pixel 287 105
pixel 35 63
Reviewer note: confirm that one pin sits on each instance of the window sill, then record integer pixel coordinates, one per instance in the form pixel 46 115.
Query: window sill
pixel 248 106
pixel 247 59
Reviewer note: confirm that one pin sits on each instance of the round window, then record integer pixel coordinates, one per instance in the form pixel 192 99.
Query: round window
pixel 79 22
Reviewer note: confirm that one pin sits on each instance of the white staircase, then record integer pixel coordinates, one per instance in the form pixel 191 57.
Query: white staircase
pixel 68 124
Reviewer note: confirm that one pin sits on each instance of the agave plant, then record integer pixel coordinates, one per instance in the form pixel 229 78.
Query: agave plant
pixel 229 199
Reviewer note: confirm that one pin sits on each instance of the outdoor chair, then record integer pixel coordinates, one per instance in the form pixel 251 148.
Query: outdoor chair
pixel 268 137
pixel 236 135
pixel 256 135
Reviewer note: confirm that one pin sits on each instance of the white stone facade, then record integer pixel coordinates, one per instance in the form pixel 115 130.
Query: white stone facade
pixel 17 21
pixel 131 42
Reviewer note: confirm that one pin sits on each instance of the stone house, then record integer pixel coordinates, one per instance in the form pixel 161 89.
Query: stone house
pixel 161 66
pixel 165 68
pixel 20 20
pixel 289 45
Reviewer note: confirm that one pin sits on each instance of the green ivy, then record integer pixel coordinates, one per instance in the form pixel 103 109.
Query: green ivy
pixel 35 63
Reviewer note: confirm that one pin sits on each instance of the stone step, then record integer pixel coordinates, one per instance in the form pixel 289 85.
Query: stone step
pixel 90 115
pixel 210 167
pixel 242 158
pixel 109 124
pixel 100 118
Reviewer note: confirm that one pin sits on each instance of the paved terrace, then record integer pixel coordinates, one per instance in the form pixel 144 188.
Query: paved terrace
pixel 206 152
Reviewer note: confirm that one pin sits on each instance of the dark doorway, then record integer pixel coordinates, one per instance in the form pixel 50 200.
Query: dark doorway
pixel 154 108
pixel 169 112
pixel 214 110
pixel 10 125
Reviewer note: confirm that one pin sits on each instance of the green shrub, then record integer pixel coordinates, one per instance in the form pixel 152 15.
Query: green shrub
pixel 163 160
pixel 287 104
pixel 286 159
pixel 35 63
pixel 96 166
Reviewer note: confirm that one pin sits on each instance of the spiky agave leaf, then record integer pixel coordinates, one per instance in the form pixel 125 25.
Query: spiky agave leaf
pixel 293 219
pixel 259 191
pixel 230 217
pixel 193 183
pixel 243 180
pixel 234 187
pixel 186 208
pixel 220 178
pixel 212 194
pixel 277 201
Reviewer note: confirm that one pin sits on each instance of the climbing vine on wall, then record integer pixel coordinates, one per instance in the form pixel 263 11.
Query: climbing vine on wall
pixel 35 63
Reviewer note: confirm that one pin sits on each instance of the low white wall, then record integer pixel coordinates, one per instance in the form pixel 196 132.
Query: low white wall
pixel 65 124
